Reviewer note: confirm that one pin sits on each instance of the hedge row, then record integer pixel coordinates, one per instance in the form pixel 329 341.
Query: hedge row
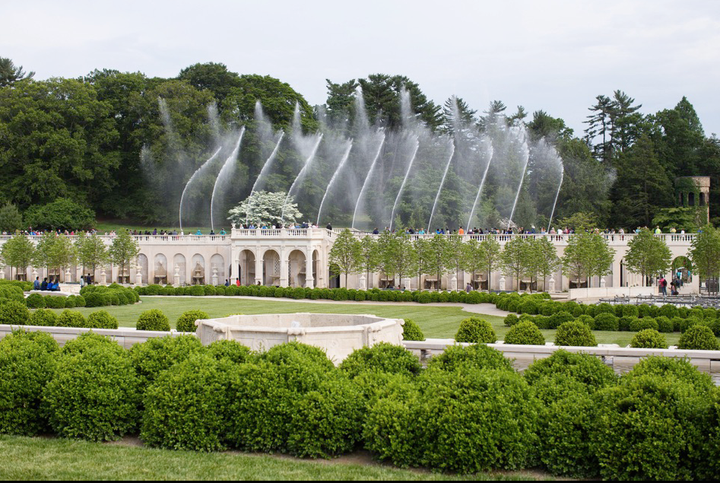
pixel 15 313
pixel 468 411
pixel 113 294
pixel 375 294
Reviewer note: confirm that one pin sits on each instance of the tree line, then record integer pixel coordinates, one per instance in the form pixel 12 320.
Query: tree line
pixel 102 141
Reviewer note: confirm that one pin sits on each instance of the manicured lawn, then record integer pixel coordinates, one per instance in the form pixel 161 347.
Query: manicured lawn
pixel 66 459
pixel 435 321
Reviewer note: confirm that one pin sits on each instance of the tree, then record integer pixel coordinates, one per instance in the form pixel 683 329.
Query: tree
pixel 265 209
pixel 587 255
pixel 515 258
pixel 345 254
pixel 10 218
pixel 91 251
pixel 9 74
pixel 61 214
pixel 437 257
pixel 18 252
pixel 212 76
pixel 705 254
pixel 455 254
pixel 56 252
pixel 600 124
pixel 489 253
pixel 422 258
pixel 368 256
pixel 647 255
pixel 123 251
pixel 543 258
pixel 387 249
pixel 403 255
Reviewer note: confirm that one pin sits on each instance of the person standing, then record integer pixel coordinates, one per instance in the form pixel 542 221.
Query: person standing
pixel 36 283
pixel 663 286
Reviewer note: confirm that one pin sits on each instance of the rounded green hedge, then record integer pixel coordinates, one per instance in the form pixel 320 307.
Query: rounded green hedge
pixel 13 312
pixel 475 330
pixel 470 358
pixel 43 317
pixel 186 322
pixel 158 354
pixel 511 319
pixel 27 363
pixel 71 318
pixel 412 331
pixel 698 337
pixel 101 319
pixel 230 350
pixel 186 406
pixel 637 325
pixel 575 333
pixel 649 339
pixel 35 301
pixel 585 368
pixel 524 333
pixel 94 392
pixel 382 357
pixel 606 321
pixel 153 319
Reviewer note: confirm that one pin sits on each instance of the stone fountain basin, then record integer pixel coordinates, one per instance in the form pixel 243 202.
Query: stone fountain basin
pixel 337 334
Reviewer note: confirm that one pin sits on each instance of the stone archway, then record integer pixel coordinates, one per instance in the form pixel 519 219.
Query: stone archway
pixel 271 268
pixel 246 268
pixel 178 269
pixel 160 269
pixel 143 267
pixel 217 269
pixel 296 269
pixel 197 275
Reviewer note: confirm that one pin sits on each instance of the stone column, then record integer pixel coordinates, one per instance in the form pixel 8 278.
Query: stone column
pixel 284 268
pixel 258 270
pixel 309 280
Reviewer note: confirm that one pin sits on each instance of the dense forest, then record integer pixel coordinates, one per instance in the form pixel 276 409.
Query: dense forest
pixel 124 145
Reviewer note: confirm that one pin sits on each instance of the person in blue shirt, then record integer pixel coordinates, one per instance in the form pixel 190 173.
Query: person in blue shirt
pixel 198 232
pixel 44 284
pixel 222 231
pixel 36 283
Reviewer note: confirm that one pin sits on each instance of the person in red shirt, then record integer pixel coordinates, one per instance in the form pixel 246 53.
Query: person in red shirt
pixel 237 282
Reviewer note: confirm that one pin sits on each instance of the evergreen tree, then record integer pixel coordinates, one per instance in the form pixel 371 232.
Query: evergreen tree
pixel 9 74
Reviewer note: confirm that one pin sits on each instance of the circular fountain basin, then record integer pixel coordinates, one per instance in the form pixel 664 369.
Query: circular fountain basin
pixel 337 334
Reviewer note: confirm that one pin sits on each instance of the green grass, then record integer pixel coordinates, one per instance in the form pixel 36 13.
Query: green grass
pixel 66 459
pixel 435 321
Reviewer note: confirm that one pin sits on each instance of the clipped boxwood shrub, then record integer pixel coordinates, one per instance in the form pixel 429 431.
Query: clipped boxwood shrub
pixel 585 368
pixel 328 420
pixel 644 323
pixel 587 320
pixel 685 324
pixel 524 333
pixel 643 310
pixel 382 357
pixel 511 319
pixel 528 307
pixel 13 312
pixel 71 318
pixel 158 354
pixel 464 422
pixel 35 301
pixel 664 324
pixel 604 308
pixel 44 317
pixel 630 311
pixel 606 321
pixel 302 366
pixel 476 330
pixel 27 363
pixel 559 318
pixel 94 392
pixel 186 406
pixel 542 322
pixel 101 319
pixel 667 310
pixel 575 333
pixel 153 319
pixel 648 428
pixel 186 322
pixel 472 357
pixel 412 331
pixel 698 337
pixel 230 350
pixel 424 298
pixel 649 339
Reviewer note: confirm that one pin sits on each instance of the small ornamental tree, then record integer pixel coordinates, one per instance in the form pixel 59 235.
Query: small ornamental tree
pixel 18 252
pixel 345 254
pixel 647 255
pixel 587 255
pixel 123 251
pixel 265 209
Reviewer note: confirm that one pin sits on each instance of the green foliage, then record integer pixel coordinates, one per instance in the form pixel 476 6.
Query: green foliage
pixel 585 368
pixel 54 302
pixel 664 324
pixel 35 301
pixel 381 357
pixel 559 318
pixel 587 320
pixel 459 421
pixel 475 330
pixel 698 337
pixel 470 358
pixel 27 363
pixel 575 333
pixel 158 354
pixel 644 323
pixel 186 322
pixel 412 331
pixel 649 339
pixel 43 317
pixel 510 320
pixel 186 407
pixel 606 321
pixel 71 318
pixel 101 319
pixel 14 313
pixel 681 369
pixel 94 392
pixel 667 310
pixel 230 350
pixel 63 214
pixel 153 319
pixel 301 365
pixel 524 333
pixel 649 427
pixel 327 421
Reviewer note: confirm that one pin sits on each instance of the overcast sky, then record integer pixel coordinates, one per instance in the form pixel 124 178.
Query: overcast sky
pixel 551 55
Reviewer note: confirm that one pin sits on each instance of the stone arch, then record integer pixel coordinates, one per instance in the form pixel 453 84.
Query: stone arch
pixel 296 268
pixel 683 266
pixel 143 267
pixel 217 269
pixel 197 270
pixel 160 271
pixel 178 267
pixel 246 267
pixel 271 267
